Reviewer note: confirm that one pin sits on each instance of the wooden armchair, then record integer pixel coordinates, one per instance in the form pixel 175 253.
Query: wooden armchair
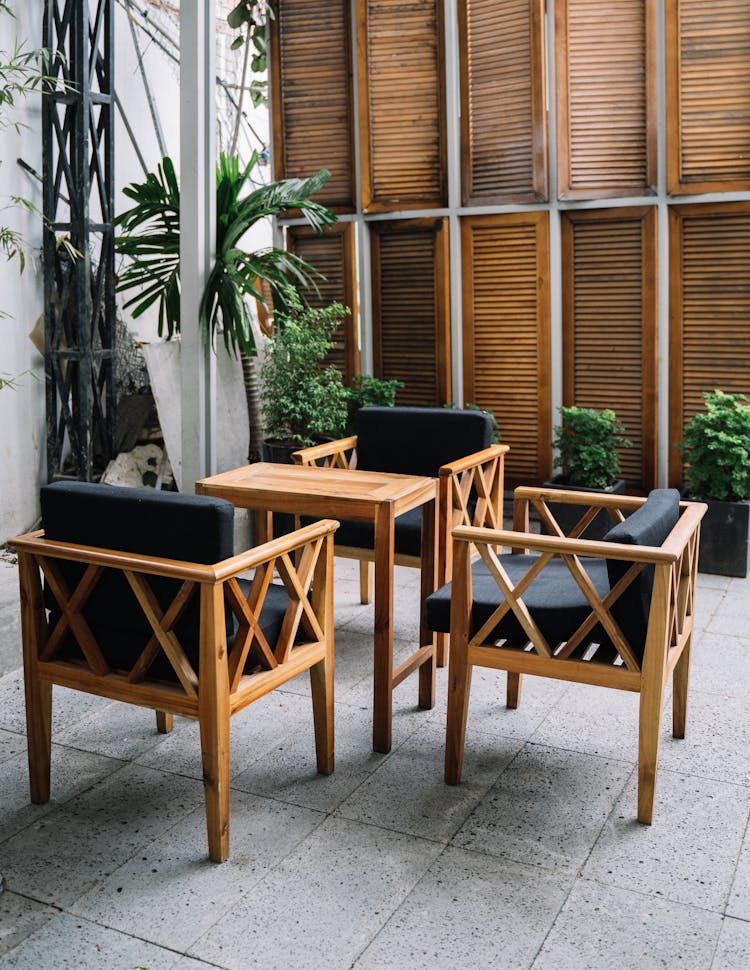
pixel 614 613
pixel 454 446
pixel 136 595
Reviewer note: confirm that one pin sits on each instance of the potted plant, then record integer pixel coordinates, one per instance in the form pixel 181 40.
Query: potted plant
pixel 366 391
pixel 716 448
pixel 302 399
pixel 587 441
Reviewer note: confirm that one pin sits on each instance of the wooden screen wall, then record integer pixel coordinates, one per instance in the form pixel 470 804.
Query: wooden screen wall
pixel 606 97
pixel 708 95
pixel 503 113
pixel 311 89
pixel 609 325
pixel 332 254
pixel 401 103
pixel 506 308
pixel 411 308
pixel 709 298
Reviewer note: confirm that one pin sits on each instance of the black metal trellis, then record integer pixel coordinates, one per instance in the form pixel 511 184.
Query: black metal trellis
pixel 79 282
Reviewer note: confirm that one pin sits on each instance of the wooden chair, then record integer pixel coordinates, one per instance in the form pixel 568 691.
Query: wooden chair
pixel 452 445
pixel 136 595
pixel 614 613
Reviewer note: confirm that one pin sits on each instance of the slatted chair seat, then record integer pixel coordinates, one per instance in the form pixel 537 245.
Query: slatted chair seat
pixel 613 613
pixel 136 595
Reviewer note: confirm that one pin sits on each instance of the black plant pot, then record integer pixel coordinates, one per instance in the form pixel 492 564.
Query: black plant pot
pixel 568 515
pixel 724 545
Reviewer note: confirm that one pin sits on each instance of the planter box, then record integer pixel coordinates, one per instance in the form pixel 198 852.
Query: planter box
pixel 568 515
pixel 724 545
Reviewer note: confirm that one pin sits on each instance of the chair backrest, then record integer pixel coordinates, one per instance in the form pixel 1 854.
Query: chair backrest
pixel 169 525
pixel 649 525
pixel 417 441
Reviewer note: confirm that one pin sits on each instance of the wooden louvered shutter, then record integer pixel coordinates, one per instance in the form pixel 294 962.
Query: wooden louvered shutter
pixel 332 254
pixel 506 311
pixel 311 96
pixel 606 97
pixel 401 103
pixel 709 319
pixel 411 308
pixel 503 115
pixel 708 95
pixel 609 325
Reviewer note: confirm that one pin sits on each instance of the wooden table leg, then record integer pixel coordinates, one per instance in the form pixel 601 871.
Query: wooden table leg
pixel 382 709
pixel 263 526
pixel 427 586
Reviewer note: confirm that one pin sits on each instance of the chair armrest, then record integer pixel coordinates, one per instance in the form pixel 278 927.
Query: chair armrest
pixel 481 475
pixel 333 450
pixel 273 549
pixel 470 461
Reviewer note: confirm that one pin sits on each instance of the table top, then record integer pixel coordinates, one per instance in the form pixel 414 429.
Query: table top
pixel 311 490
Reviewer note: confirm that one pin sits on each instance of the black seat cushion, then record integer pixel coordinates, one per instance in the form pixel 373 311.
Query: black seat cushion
pixel 417 441
pixel 169 525
pixel 649 525
pixel 554 599
pixel 361 535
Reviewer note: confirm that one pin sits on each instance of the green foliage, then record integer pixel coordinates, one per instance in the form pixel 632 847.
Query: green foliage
pixel 587 442
pixel 300 396
pixel 151 240
pixel 366 392
pixel 476 407
pixel 250 17
pixel 716 449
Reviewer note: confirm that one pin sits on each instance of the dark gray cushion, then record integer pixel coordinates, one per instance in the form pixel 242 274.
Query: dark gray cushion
pixel 647 526
pixel 169 525
pixel 554 599
pixel 361 535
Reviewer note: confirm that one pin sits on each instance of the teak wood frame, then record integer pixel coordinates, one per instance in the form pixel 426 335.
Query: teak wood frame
pixel 481 475
pixel 670 623
pixel 221 687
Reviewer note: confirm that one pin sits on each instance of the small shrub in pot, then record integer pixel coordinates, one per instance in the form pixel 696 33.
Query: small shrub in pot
pixel 587 442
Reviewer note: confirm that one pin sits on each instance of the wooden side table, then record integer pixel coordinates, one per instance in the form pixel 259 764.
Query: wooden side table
pixel 377 497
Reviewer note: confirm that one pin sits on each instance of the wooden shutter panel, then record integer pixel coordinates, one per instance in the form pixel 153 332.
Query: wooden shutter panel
pixel 311 96
pixel 506 308
pixel 401 110
pixel 503 114
pixel 709 297
pixel 609 325
pixel 708 95
pixel 606 97
pixel 411 308
pixel 332 254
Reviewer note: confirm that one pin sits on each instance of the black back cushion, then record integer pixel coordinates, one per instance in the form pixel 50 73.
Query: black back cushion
pixel 417 441
pixel 192 528
pixel 647 526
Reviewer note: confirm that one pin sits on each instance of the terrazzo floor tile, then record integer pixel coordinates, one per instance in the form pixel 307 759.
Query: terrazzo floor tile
pixel 689 853
pixel 353 664
pixel 11 744
pixel 170 893
pixel 708 602
pixel 19 917
pixel 718 665
pixel 324 903
pixel 605 928
pixel 733 951
pixel 546 809
pixel 288 772
pixel 68 706
pixel 72 772
pixel 71 943
pixel 118 731
pixel 66 852
pixel 739 898
pixel 717 740
pixel 730 617
pixel 408 794
pixel 714 581
pixel 469 911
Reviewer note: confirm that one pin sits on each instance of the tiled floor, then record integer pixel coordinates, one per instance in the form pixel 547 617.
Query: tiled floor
pixel 534 861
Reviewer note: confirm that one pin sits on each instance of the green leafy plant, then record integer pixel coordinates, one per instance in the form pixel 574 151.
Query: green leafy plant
pixel 302 397
pixel 716 449
pixel 151 241
pixel 476 407
pixel 587 442
pixel 250 18
pixel 366 391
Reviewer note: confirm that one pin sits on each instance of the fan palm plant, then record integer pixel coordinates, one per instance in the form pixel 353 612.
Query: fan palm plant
pixel 150 240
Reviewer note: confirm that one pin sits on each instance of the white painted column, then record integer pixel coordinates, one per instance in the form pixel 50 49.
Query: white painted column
pixel 197 234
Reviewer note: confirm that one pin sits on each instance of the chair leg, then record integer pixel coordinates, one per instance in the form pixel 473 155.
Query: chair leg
pixel 39 737
pixel 441 649
pixel 365 582
pixel 164 722
pixel 649 735
pixel 513 690
pixel 680 681
pixel 321 684
pixel 459 686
